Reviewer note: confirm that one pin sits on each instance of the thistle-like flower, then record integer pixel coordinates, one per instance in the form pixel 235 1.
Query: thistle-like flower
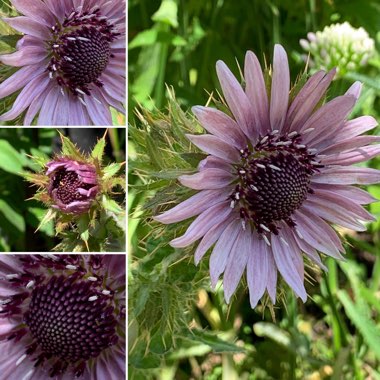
pixel 340 46
pixel 62 316
pixel 72 60
pixel 78 191
pixel 73 185
pixel 275 176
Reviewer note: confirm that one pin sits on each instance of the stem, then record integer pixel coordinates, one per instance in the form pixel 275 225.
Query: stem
pixel 293 311
pixel 160 85
pixel 115 143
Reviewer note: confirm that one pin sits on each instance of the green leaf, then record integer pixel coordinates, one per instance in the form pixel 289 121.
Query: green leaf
pixel 12 216
pixel 11 40
pixel 83 228
pixel 218 345
pixel 111 169
pixel 49 215
pixel 264 329
pixel 69 149
pixel 98 150
pixel 361 320
pixel 144 38
pixel 167 13
pixel 39 213
pixel 110 205
pixel 10 160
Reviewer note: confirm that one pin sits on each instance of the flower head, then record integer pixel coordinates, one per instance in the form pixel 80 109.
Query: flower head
pixel 340 46
pixel 62 316
pixel 72 186
pixel 72 60
pixel 275 176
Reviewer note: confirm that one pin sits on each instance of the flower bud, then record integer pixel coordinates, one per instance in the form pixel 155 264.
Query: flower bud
pixel 72 185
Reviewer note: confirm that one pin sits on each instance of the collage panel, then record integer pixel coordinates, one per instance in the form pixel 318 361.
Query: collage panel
pixel 63 62
pixel 62 190
pixel 62 316
pixel 254 172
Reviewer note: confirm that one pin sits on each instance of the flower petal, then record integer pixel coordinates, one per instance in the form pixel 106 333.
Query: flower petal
pixel 335 216
pixel 19 79
pixel 26 96
pixel 256 92
pixel 352 157
pixel 342 175
pixel 328 119
pixel 221 125
pixel 49 107
pixel 318 233
pixel 280 88
pixel 99 113
pixel 36 10
pixel 357 195
pixel 347 144
pixel 209 218
pixel 28 26
pixel 346 205
pixel 237 262
pixel 309 251
pixel 214 162
pixel 289 261
pixel 28 55
pixel 356 127
pixel 222 249
pixel 192 206
pixel 207 179
pixel 257 269
pixel 306 100
pixel 215 146
pixel 36 104
pixel 210 238
pixel 237 100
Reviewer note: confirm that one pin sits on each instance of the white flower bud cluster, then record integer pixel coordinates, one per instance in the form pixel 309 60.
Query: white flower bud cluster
pixel 340 46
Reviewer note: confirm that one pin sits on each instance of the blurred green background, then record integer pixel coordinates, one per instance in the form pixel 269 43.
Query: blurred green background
pixel 179 328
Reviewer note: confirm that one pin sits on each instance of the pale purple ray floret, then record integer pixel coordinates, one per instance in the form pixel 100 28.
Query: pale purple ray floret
pixel 276 176
pixel 71 60
pixel 73 186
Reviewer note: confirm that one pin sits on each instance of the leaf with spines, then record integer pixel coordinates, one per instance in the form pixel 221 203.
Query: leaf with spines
pixel 98 151
pixel 50 215
pixel 69 149
pixel 111 169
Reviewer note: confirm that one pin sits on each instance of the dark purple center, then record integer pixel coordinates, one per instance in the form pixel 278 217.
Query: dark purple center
pixel 80 51
pixel 272 194
pixel 69 321
pixel 274 180
pixel 67 184
pixel 89 53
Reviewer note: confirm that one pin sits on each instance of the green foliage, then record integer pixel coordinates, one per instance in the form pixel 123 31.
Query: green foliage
pixel 180 328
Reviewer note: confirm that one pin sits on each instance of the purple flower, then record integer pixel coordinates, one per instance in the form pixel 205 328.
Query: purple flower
pixel 62 316
pixel 277 174
pixel 72 186
pixel 72 60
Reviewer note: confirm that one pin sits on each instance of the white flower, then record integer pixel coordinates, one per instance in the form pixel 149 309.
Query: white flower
pixel 340 46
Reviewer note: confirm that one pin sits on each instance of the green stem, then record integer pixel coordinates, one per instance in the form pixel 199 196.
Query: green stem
pixel 160 84
pixel 115 143
pixel 293 311
pixel 339 327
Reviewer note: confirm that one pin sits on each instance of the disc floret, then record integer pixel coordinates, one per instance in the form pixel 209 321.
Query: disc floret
pixel 80 50
pixel 273 180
